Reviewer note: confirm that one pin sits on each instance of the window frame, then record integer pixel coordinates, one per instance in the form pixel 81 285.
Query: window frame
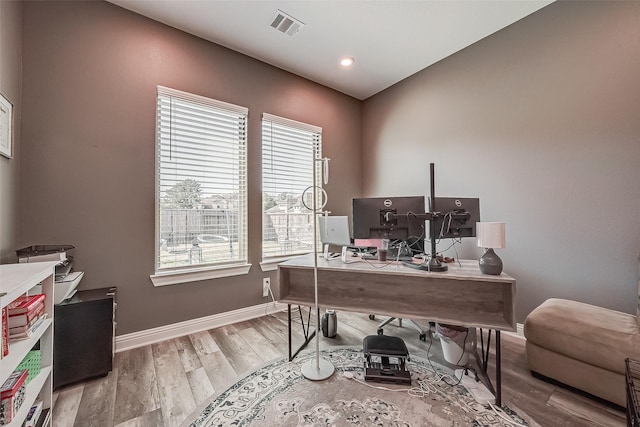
pixel 198 272
pixel 270 263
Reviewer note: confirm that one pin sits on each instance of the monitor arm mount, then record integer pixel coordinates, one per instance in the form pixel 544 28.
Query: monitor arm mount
pixel 432 264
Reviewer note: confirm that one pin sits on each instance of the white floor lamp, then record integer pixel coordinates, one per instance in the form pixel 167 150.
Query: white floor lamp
pixel 317 369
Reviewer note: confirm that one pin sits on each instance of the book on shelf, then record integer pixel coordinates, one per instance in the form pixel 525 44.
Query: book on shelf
pixel 5 333
pixel 45 418
pixel 22 319
pixel 26 333
pixel 25 303
pixel 34 414
pixel 12 394
pixel 15 330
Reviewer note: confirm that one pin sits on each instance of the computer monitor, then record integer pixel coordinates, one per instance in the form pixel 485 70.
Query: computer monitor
pixel 390 218
pixel 458 217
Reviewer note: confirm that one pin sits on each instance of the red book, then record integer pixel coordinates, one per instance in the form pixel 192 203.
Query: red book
pixel 13 384
pixel 23 319
pixel 25 304
pixel 5 333
pixel 12 395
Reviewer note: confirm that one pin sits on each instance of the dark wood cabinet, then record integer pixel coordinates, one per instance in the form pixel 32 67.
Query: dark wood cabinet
pixel 84 332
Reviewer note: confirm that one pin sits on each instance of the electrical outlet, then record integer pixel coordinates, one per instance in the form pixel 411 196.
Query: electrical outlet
pixel 266 285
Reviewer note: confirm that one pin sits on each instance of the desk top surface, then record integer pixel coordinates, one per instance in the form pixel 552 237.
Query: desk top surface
pixel 463 270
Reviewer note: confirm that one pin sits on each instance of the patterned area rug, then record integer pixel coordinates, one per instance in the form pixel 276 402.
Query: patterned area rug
pixel 278 395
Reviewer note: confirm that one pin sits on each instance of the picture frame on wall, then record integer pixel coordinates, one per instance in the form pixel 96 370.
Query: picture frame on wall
pixel 6 127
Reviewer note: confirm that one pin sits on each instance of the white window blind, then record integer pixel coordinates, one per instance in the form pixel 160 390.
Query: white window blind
pixel 289 150
pixel 201 217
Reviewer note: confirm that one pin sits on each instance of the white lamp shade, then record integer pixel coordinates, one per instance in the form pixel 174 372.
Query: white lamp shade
pixel 490 234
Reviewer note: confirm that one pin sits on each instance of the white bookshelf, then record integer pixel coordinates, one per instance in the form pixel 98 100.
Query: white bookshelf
pixel 16 280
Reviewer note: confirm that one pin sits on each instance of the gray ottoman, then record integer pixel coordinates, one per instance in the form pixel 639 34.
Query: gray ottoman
pixel 583 346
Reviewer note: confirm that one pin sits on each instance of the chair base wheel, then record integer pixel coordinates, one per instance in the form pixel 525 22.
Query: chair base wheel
pixel 380 331
pixel 423 337
pixel 372 317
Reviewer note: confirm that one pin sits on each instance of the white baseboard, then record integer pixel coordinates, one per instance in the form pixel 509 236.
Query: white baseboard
pixel 151 336
pixel 519 331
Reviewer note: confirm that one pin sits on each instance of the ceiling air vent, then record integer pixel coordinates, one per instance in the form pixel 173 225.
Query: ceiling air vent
pixel 286 23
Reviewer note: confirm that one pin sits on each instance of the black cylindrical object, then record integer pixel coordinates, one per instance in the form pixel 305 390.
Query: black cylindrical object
pixel 330 324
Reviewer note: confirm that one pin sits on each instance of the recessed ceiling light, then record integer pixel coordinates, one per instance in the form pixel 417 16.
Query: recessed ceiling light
pixel 347 62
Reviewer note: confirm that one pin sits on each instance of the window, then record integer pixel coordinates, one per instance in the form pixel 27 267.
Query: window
pixel 289 153
pixel 201 190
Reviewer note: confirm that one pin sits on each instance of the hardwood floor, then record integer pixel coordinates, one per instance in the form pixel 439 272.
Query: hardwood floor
pixel 161 384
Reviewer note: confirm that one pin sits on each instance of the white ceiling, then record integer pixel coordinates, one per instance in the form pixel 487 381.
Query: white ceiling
pixel 390 40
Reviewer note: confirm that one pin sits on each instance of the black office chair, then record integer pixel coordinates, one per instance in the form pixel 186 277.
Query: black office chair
pixel 402 252
pixel 414 325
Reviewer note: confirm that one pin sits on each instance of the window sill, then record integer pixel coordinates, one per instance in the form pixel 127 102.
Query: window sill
pixel 196 275
pixel 272 264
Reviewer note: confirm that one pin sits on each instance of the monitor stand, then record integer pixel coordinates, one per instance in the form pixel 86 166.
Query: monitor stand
pixel 433 264
pixel 346 256
pixel 326 252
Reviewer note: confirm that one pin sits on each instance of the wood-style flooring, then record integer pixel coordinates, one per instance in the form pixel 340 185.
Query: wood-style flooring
pixel 161 384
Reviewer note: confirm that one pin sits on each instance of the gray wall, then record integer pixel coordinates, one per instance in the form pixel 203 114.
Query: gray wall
pixel 10 87
pixel 90 76
pixel 541 121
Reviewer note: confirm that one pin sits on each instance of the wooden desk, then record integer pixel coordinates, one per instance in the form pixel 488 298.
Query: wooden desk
pixel 460 296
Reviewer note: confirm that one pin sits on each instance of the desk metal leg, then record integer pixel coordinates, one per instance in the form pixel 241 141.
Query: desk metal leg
pixel 306 330
pixel 289 329
pixel 498 371
pixel 485 354
pixel 484 364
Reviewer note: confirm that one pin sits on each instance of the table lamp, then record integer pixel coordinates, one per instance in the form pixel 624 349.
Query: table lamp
pixel 490 236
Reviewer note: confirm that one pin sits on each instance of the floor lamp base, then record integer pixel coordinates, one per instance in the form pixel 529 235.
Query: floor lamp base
pixel 317 371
